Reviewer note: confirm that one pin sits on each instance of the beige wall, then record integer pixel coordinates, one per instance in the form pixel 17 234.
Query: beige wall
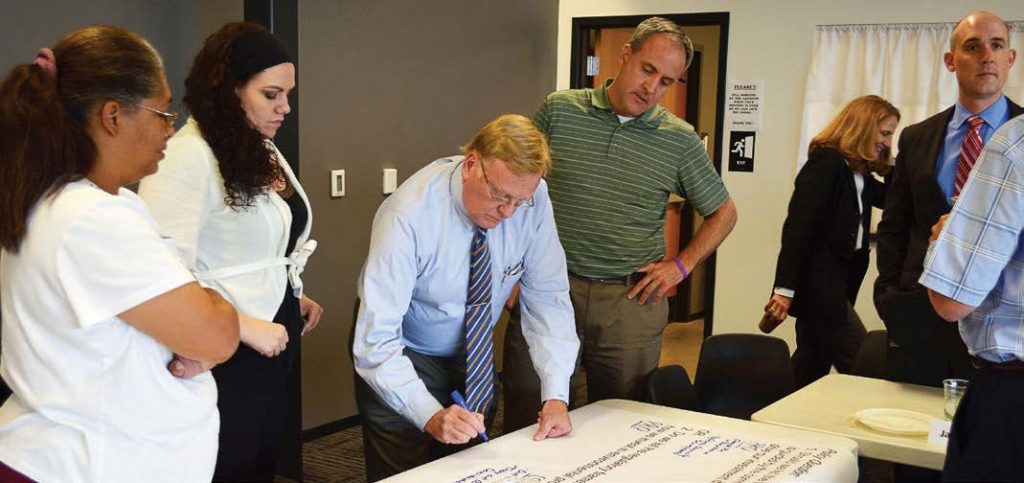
pixel 770 41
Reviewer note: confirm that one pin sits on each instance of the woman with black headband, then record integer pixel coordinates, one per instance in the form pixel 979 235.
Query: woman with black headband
pixel 228 198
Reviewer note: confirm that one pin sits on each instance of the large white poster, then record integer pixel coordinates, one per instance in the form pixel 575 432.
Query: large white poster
pixel 618 445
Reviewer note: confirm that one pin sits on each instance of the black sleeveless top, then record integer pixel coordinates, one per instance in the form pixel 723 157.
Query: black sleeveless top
pixel 289 313
pixel 299 218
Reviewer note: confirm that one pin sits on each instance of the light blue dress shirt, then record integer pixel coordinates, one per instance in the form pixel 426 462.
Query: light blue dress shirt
pixel 413 288
pixel 945 164
pixel 978 259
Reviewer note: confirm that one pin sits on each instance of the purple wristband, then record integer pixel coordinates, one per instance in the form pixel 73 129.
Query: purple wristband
pixel 682 269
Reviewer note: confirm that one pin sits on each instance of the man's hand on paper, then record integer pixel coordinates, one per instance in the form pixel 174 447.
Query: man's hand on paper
pixel 553 419
pixel 454 425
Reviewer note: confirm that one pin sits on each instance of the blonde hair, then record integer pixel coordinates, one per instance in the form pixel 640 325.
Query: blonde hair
pixel 854 130
pixel 516 141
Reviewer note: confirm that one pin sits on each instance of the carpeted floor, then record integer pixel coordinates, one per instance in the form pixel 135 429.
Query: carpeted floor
pixel 335 458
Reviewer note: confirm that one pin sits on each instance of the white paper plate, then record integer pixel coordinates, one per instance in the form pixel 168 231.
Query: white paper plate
pixel 895 421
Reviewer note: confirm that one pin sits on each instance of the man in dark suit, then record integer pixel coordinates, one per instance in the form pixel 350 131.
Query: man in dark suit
pixel 923 348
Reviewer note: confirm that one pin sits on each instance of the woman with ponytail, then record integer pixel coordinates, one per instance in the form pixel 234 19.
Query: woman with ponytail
pixel 106 331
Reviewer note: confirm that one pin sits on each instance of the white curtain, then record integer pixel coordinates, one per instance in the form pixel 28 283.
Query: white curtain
pixel 900 62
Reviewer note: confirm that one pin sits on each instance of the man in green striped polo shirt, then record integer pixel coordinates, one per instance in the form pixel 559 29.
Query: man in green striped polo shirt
pixel 617 155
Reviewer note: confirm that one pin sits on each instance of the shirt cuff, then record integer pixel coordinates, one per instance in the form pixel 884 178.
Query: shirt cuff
pixel 554 387
pixel 951 290
pixel 785 292
pixel 421 408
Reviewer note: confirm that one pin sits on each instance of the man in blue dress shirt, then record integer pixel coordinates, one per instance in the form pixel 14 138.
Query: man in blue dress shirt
pixel 974 272
pixel 410 336
pixel 923 349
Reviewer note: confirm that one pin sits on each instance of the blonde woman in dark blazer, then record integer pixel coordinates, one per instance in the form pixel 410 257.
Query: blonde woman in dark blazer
pixel 824 253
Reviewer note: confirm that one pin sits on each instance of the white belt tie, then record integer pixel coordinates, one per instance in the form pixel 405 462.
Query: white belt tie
pixel 296 263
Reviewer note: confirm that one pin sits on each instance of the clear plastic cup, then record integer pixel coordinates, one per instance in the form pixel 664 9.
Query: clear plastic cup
pixel 952 391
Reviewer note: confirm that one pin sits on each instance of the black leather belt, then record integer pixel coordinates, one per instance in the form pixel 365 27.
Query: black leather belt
pixel 630 279
pixel 1009 366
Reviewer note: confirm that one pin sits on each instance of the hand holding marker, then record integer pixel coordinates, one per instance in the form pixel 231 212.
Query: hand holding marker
pixel 457 398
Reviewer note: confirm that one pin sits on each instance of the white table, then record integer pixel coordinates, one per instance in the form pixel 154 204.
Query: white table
pixel 828 405
pixel 616 441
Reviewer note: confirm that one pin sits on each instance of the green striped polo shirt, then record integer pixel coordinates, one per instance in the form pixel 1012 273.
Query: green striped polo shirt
pixel 610 181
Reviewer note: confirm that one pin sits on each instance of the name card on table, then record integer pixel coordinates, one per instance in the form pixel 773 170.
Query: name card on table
pixel 938 433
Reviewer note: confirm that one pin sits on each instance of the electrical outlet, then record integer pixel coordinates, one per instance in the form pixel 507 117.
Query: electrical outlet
pixel 337 183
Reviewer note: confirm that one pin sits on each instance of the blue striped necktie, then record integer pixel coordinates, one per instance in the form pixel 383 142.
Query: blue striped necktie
pixel 479 335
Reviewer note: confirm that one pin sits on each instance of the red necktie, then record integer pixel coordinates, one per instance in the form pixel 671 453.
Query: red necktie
pixel 970 148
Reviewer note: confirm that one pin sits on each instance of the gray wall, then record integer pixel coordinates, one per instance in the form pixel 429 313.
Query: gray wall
pixel 176 28
pixel 395 84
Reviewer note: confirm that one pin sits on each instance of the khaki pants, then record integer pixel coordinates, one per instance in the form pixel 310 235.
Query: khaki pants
pixel 620 345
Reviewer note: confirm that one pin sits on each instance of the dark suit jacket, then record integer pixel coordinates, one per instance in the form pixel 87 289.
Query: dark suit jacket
pixel 819 237
pixel 914 203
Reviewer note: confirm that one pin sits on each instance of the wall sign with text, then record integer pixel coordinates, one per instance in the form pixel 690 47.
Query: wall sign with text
pixel 744 104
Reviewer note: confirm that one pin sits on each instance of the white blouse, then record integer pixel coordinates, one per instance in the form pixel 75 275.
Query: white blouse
pixel 238 251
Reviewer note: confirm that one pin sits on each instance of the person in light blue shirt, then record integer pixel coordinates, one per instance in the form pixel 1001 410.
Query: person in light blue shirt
pixel 974 272
pixel 410 336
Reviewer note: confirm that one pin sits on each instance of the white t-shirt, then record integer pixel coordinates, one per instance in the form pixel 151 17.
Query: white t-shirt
pixel 93 400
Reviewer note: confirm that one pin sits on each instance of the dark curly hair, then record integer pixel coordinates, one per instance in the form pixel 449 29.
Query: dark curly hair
pixel 247 163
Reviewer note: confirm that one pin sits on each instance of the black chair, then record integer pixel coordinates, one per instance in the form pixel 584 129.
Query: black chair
pixel 870 360
pixel 670 386
pixel 739 374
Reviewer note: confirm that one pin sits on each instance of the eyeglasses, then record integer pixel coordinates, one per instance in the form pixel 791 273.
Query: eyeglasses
pixel 506 200
pixel 170 118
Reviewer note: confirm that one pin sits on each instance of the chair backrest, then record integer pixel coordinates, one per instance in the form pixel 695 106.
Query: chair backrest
pixel 670 386
pixel 870 361
pixel 739 374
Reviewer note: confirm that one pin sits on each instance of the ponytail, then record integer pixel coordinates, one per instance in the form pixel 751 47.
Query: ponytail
pixel 41 149
pixel 44 114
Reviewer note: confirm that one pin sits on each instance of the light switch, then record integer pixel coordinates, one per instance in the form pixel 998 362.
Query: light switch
pixel 390 180
pixel 337 183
